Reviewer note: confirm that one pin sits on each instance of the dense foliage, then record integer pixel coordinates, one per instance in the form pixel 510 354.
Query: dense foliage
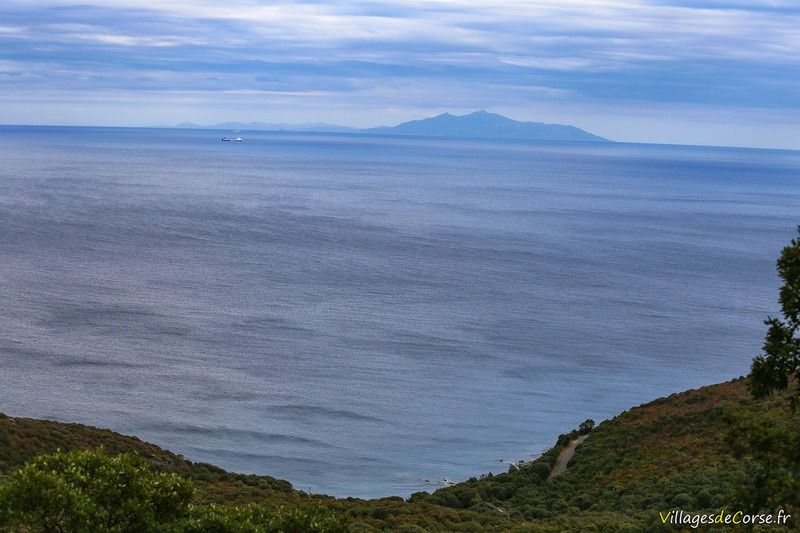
pixel 769 445
pixel 93 492
pixel 82 491
pixel 780 362
pixel 682 451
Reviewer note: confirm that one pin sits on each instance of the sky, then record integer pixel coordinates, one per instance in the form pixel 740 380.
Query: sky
pixel 714 72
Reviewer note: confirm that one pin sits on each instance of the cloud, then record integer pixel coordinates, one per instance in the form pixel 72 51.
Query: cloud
pixel 411 54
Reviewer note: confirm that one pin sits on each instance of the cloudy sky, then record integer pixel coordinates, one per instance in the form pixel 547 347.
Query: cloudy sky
pixel 720 72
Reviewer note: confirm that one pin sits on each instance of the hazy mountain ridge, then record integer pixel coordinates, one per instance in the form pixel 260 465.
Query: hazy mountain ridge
pixel 480 124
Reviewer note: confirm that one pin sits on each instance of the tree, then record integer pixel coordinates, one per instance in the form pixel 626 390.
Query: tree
pixel 771 452
pixel 88 491
pixel 780 364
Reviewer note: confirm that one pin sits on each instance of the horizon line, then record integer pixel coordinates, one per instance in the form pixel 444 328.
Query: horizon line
pixel 364 132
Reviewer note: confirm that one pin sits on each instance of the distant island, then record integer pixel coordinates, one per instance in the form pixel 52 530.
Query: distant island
pixel 480 124
pixel 487 125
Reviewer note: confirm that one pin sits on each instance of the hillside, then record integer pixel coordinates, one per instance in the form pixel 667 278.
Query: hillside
pixel 481 124
pixel 674 452
pixel 21 439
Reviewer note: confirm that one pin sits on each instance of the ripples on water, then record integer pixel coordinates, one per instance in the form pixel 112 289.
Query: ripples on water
pixel 361 314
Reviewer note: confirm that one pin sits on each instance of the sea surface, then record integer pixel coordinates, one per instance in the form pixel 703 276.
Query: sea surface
pixel 368 315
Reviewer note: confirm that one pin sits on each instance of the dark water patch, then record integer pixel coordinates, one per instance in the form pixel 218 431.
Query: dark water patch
pixel 16 354
pixel 65 362
pixel 375 294
pixel 289 462
pixel 230 395
pixel 449 441
pixel 429 347
pixel 204 433
pixel 270 324
pixel 17 350
pixel 316 411
pixel 112 319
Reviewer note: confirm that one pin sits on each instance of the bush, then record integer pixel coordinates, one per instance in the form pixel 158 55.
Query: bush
pixel 683 501
pixel 92 492
pixel 83 491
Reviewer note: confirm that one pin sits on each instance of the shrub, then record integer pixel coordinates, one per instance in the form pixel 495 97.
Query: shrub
pixel 83 491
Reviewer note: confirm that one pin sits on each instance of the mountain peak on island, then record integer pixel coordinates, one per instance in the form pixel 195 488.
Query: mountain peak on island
pixel 483 124
pixel 478 124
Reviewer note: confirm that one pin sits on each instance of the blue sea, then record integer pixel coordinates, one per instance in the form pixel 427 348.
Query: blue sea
pixel 368 315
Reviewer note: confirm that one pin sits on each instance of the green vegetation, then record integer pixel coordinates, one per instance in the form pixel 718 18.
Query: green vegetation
pixel 92 492
pixel 769 447
pixel 666 454
pixel 732 446
pixel 780 363
pixel 81 491
pixel 682 451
